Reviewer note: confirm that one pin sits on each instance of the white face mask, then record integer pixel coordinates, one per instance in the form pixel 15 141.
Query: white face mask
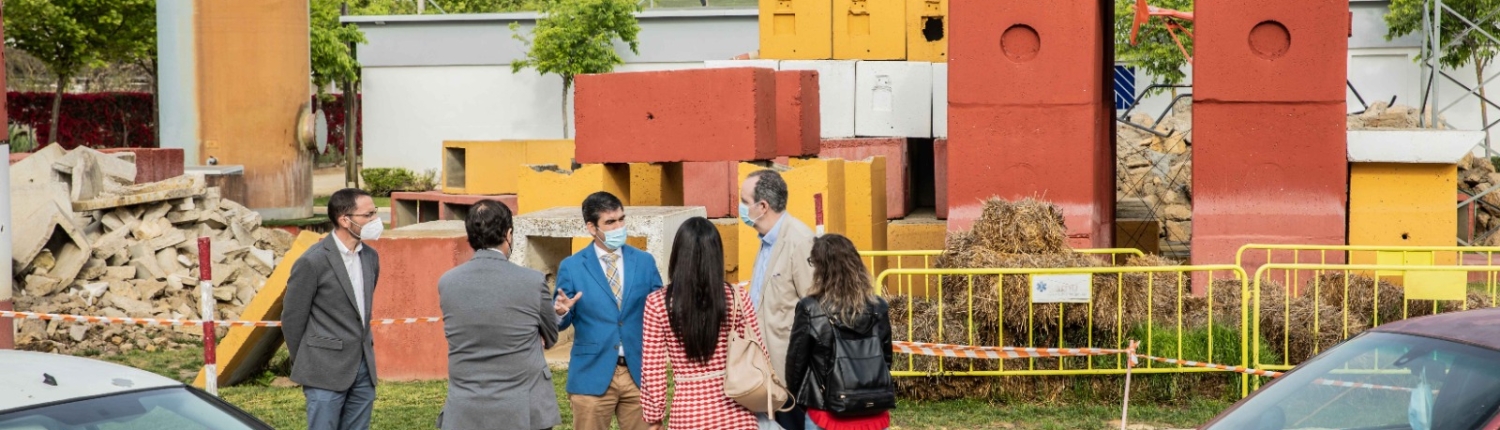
pixel 370 231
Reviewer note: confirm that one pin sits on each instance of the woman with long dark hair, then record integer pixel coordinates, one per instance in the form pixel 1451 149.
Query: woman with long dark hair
pixel 839 358
pixel 688 324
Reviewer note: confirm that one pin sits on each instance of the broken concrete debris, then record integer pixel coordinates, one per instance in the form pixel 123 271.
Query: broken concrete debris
pixel 89 241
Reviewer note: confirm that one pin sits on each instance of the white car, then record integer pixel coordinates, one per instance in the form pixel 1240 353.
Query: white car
pixel 59 392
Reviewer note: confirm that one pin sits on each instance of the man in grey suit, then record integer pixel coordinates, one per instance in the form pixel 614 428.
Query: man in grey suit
pixel 498 318
pixel 326 317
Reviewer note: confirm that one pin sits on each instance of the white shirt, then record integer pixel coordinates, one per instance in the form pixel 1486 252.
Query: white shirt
pixel 356 270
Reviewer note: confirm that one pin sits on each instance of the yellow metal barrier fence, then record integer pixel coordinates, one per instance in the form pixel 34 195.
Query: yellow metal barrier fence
pixel 926 258
pixel 1337 302
pixel 1011 307
pixel 1252 256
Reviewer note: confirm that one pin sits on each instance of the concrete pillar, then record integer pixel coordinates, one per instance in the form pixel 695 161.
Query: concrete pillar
pixel 1031 118
pixel 1269 153
pixel 234 75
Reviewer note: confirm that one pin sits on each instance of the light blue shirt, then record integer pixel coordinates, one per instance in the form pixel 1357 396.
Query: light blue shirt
pixel 763 261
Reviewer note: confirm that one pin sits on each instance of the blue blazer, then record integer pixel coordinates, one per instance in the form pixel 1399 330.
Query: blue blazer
pixel 600 326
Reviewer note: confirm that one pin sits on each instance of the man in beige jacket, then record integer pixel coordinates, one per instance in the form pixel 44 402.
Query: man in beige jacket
pixel 782 274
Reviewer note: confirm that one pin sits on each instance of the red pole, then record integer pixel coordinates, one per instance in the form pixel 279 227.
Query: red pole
pixel 818 207
pixel 206 287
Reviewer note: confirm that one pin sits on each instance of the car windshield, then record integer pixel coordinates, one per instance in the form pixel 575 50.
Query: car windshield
pixel 168 408
pixel 1379 381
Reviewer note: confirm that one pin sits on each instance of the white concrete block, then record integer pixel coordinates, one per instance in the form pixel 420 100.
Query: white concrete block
pixel 725 64
pixel 543 239
pixel 940 100
pixel 1411 146
pixel 893 99
pixel 835 91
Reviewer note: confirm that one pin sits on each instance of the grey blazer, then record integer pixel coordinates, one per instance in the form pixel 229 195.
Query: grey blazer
pixel 498 318
pixel 324 332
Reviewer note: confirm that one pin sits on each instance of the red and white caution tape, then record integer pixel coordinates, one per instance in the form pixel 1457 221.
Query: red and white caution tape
pixel 183 322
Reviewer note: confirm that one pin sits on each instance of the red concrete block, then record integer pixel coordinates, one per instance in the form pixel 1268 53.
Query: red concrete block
pixel 415 208
pixel 798 113
pixel 18 157
pixel 1271 51
pixel 7 326
pixel 1033 119
pixel 712 185
pixel 898 200
pixel 408 288
pixel 672 116
pixel 153 164
pixel 1280 175
pixel 940 174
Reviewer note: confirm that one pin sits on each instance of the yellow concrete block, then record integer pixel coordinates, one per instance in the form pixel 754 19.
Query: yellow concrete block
pixel 796 29
pixel 804 179
pixel 494 167
pixel 555 152
pixel 244 352
pixel 487 168
pixel 864 199
pixel 655 184
pixel 729 233
pixel 546 187
pixel 918 232
pixel 1400 204
pixel 869 29
pixel 927 30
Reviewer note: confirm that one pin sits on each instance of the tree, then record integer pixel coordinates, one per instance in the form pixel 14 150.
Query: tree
pixel 1405 17
pixel 409 7
pixel 68 35
pixel 329 41
pixel 1155 51
pixel 576 37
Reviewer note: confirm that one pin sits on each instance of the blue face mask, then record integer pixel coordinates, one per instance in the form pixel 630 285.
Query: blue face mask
pixel 614 239
pixel 745 216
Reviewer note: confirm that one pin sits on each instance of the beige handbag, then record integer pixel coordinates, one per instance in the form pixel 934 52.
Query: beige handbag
pixel 749 378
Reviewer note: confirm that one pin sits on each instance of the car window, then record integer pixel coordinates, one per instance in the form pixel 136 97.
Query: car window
pixel 170 408
pixel 1377 381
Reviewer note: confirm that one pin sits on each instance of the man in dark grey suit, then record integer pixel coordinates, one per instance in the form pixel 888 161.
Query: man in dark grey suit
pixel 498 318
pixel 326 317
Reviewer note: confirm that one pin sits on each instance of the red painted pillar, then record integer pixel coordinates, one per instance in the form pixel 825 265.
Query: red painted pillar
pixel 1028 114
pixel 1269 150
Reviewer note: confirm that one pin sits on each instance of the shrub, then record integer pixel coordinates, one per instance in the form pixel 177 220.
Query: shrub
pixel 380 182
pixel 22 138
pixel 425 181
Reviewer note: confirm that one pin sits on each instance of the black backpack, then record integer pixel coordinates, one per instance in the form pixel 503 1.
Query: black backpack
pixel 859 383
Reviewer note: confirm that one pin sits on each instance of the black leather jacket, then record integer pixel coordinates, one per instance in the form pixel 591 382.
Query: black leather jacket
pixel 809 357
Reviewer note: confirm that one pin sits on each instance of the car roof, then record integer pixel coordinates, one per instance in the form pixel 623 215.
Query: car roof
pixel 1480 327
pixel 24 374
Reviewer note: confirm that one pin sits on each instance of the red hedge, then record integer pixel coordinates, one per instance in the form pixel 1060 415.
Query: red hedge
pixel 98 120
pixel 121 120
pixel 333 111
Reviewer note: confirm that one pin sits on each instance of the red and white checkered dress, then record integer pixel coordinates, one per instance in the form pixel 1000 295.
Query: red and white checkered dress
pixel 696 403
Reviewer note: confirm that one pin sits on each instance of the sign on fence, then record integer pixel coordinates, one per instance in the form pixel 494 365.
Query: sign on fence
pixel 1073 288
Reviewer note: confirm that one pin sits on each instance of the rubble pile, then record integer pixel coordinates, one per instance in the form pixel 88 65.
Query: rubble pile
pixel 1156 173
pixel 88 240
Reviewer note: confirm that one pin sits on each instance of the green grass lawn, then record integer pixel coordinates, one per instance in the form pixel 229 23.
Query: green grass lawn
pixel 415 405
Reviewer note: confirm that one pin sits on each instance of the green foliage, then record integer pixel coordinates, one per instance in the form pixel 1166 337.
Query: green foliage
pixel 425 181
pixel 332 60
pixel 22 138
pixel 380 182
pixel 575 37
pixel 1405 17
pixel 409 7
pixel 1155 51
pixel 68 35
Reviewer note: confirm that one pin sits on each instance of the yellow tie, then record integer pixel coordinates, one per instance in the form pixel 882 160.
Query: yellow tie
pixel 611 271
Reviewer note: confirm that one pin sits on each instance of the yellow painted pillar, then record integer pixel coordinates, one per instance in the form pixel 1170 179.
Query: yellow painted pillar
pixel 796 29
pixel 1402 185
pixel 869 29
pixel 927 30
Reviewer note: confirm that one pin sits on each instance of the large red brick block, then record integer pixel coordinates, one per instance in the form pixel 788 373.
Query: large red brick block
pixel 409 208
pixel 713 185
pixel 673 116
pixel 409 288
pixel 154 164
pixel 898 200
pixel 1269 102
pixel 940 175
pixel 1033 116
pixel 798 117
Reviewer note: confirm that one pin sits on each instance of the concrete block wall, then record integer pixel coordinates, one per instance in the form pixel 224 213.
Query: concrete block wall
pixel 835 94
pixel 898 173
pixel 656 184
pixel 865 203
pixel 869 29
pixel 927 30
pixel 798 117
pixel 713 185
pixel 893 98
pixel 796 29
pixel 494 167
pixel 544 187
pixel 409 352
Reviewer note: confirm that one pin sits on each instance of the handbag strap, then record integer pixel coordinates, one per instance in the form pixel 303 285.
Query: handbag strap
pixel 734 308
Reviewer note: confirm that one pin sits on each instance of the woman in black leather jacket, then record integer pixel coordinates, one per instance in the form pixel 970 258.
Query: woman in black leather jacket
pixel 854 392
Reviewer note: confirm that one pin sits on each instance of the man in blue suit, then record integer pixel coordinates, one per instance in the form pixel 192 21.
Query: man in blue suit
pixel 602 294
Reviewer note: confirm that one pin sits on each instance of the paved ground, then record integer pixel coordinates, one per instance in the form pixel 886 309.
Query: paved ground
pixel 327 180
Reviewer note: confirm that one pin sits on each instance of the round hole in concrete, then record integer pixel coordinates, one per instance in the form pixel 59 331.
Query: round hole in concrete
pixel 1270 40
pixel 1020 43
pixel 649 116
pixel 1405 236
